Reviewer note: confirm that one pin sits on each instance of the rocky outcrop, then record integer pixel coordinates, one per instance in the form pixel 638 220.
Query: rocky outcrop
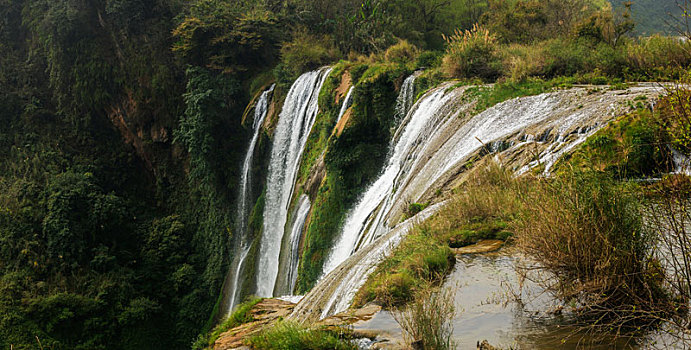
pixel 263 314
pixel 485 246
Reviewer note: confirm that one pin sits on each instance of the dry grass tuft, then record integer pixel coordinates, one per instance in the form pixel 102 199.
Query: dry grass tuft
pixel 427 321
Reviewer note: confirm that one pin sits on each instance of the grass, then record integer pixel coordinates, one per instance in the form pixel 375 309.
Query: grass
pixel 428 321
pixel 285 335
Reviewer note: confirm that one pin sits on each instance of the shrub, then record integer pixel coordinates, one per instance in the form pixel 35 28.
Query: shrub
pixel 675 115
pixel 306 52
pixel 414 208
pixel 564 58
pixel 522 61
pixel 587 230
pixel 656 53
pixel 429 59
pixel 401 52
pixel 472 53
pixel 397 288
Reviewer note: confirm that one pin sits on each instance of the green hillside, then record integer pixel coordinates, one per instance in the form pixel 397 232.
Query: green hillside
pixel 652 16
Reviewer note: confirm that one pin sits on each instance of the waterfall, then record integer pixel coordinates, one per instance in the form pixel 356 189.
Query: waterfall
pixel 294 125
pixel 364 221
pixel 260 111
pixel 433 146
pixel 304 207
pixel 242 246
pixel 347 102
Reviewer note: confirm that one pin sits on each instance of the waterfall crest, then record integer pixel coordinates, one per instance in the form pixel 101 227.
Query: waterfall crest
pixel 294 125
pixel 406 97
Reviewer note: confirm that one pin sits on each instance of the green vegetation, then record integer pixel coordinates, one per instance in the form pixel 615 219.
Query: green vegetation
pixel 421 261
pixel 285 335
pixel 631 147
pixel 488 96
pixel 472 53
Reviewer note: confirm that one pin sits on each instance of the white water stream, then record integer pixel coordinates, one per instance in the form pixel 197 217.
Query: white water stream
pixel 304 207
pixel 347 102
pixel 294 125
pixel 242 246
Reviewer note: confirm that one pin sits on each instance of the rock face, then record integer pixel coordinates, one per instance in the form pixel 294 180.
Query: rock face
pixel 264 313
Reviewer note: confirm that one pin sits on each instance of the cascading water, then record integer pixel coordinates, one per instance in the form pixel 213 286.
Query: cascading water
pixel 406 97
pixel 432 146
pixel 347 102
pixel 294 125
pixel 242 247
pixel 367 214
pixel 304 207
pixel 260 112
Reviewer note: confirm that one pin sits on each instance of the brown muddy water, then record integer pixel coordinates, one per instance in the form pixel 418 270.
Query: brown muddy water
pixel 493 303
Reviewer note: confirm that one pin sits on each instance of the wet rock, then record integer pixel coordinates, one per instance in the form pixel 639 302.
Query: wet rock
pixel 350 317
pixel 485 246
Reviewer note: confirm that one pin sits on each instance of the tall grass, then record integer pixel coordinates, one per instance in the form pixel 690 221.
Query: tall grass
pixel 427 322
pixel 472 53
pixel 588 231
pixel 286 335
pixel 585 229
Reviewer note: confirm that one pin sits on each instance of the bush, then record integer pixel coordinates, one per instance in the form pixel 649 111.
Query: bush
pixel 401 52
pixel 472 53
pixel 675 115
pixel 429 59
pixel 658 53
pixel 521 61
pixel 307 52
pixel 587 230
pixel 414 208
pixel 564 58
